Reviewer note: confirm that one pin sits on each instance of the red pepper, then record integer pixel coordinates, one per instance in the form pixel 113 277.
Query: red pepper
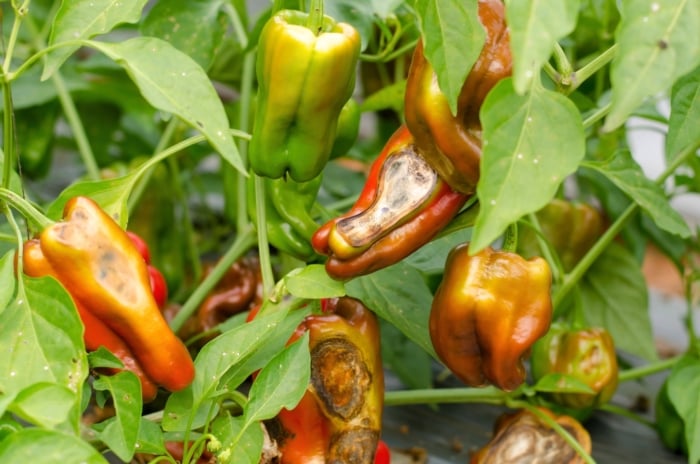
pixel 402 206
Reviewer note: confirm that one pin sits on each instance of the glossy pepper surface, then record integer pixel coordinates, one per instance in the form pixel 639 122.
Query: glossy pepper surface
pixel 452 143
pixel 585 354
pixel 487 312
pixel 339 417
pixel 288 219
pixel 347 130
pixel 523 436
pixel 305 77
pixel 99 265
pixel 571 228
pixel 96 333
pixel 403 205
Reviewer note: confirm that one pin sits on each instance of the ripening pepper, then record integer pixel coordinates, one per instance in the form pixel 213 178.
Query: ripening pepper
pixel 585 354
pixel 403 205
pixel 487 312
pixel 669 423
pixel 288 218
pixel 339 418
pixel 347 130
pixel 452 143
pixel 522 436
pixel 570 228
pixel 95 333
pixel 305 77
pixel 99 265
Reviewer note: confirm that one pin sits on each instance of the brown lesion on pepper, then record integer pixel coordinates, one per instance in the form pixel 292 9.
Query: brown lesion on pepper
pixel 353 446
pixel 340 377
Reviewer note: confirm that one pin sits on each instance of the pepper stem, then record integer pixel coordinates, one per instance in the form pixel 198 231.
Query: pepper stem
pixel 315 20
pixel 25 208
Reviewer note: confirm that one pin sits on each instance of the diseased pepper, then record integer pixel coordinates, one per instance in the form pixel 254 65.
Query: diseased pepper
pixel 288 218
pixel 570 228
pixel 95 333
pixel 487 312
pixel 524 437
pixel 305 77
pixel 339 417
pixel 402 206
pixel 451 144
pixel 99 265
pixel 585 354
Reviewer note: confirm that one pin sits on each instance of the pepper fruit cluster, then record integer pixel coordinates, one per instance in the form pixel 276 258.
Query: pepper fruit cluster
pixel 305 77
pixel 487 312
pixel 339 417
pixel 108 279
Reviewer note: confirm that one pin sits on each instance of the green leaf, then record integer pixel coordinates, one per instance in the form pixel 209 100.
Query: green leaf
pixel 358 14
pixel 195 27
pixel 683 387
pixel 411 364
pixel 431 257
pixel 658 41
pixel 40 446
pixel 173 82
pixel 622 170
pixel 102 357
pixel 241 445
pixel 188 408
pixel 150 438
pixel 614 296
pixel 685 115
pixel 532 143
pixel 121 431
pixel 44 404
pixel 399 295
pixel 41 341
pixel 312 282
pixel 561 383
pixel 535 27
pixel 7 276
pixel 281 383
pixel 453 38
pixel 83 19
pixel 111 195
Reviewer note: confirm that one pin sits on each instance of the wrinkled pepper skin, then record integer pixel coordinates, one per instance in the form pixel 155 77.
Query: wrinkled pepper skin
pixel 340 416
pixel 98 264
pixel 522 437
pixel 403 205
pixel 486 314
pixel 288 218
pixel 570 228
pixel 669 424
pixel 95 333
pixel 452 143
pixel 585 354
pixel 239 290
pixel 304 78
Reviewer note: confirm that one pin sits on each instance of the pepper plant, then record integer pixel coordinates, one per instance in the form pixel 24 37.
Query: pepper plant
pixel 223 133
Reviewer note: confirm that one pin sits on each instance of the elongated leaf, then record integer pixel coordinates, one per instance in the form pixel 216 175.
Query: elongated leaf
pixel 248 441
pixel 313 282
pixel 559 383
pixel 683 387
pixel 453 38
pixel 195 27
pixel 615 297
pixel 622 170
pixel 281 383
pixel 40 446
pixel 535 27
pixel 400 295
pixel 685 115
pixel 7 275
pixel 44 404
pixel 658 41
pixel 121 432
pixel 173 82
pixel 531 143
pixel 83 19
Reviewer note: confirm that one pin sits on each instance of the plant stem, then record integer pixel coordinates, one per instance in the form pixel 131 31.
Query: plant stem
pixel 564 68
pixel 244 240
pixel 12 40
pixel 8 130
pixel 648 369
pixel 268 279
pixel 580 76
pixel 597 115
pixel 487 395
pixel 25 208
pixel 510 238
pixel 315 21
pixel 18 234
pixel 611 408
